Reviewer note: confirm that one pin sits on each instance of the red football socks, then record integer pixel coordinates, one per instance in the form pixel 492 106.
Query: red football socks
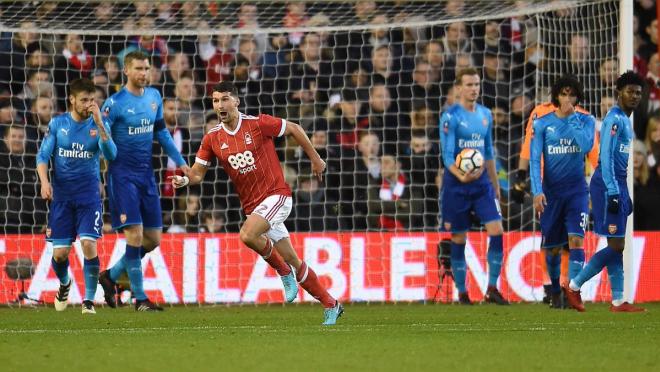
pixel 275 260
pixel 310 282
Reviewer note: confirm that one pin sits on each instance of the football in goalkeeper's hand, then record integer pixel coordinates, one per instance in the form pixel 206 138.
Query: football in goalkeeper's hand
pixel 469 159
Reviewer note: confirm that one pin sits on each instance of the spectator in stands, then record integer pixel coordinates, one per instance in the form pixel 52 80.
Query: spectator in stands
pixel 506 145
pixel 315 209
pixel 218 58
pixel 606 103
pixel 310 80
pixel 650 103
pixel 652 141
pixel 143 8
pixel 296 16
pixel 39 57
pixel 12 69
pixel 356 178
pixel 385 69
pixel 344 128
pixel 38 83
pixel 495 81
pixel 451 98
pixel 165 15
pixel 358 80
pixel 189 112
pixel 99 78
pixel 646 191
pixel 110 65
pixel 651 46
pixel 363 11
pixel 74 62
pixel 185 217
pixel 41 112
pixel 154 46
pixel 607 74
pixel 8 112
pixel 247 18
pixel 104 45
pixel 425 119
pixel 455 8
pixel 213 222
pixel 493 40
pixel 177 66
pixel 582 63
pixel 383 118
pixel 375 37
pixel 424 87
pixel 456 41
pixel 248 72
pixel 21 210
pixel 181 138
pixel 391 202
pixel 520 107
pixel 433 53
pixel 100 96
pixel 422 165
pixel 462 61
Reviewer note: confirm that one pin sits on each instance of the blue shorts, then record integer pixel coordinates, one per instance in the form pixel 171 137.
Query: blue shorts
pixel 134 200
pixel 606 223
pixel 459 202
pixel 564 215
pixel 70 218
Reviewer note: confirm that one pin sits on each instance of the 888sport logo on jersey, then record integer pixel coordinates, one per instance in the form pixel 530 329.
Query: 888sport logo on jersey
pixel 242 161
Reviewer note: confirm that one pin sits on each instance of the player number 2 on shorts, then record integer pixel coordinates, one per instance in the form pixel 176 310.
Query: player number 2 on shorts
pixel 240 160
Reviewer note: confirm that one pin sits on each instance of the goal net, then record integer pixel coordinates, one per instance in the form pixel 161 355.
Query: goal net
pixel 366 80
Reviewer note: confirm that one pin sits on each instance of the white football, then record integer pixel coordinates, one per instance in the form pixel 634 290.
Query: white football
pixel 469 160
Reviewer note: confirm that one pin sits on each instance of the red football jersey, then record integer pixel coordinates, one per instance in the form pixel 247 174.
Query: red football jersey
pixel 248 156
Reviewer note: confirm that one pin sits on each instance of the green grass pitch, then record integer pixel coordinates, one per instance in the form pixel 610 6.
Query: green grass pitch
pixel 369 337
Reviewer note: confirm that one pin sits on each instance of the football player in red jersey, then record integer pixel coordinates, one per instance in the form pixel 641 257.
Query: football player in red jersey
pixel 244 147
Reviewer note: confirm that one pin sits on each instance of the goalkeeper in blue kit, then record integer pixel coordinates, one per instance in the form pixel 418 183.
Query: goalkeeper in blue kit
pixel 611 203
pixel 562 139
pixel 73 143
pixel 135 116
pixel 468 124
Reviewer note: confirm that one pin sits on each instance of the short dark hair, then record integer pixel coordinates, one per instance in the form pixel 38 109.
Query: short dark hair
pixel 81 85
pixel 226 87
pixel 467 71
pixel 418 133
pixel 566 81
pixel 629 78
pixel 135 55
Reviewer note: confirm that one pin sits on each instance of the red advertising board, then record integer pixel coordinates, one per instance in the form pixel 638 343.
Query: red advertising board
pixel 217 268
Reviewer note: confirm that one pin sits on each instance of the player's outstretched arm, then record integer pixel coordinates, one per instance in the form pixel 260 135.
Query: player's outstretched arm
pixel 318 164
pixel 195 176
pixel 106 144
pixel 167 142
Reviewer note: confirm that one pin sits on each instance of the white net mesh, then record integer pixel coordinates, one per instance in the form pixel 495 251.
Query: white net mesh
pixel 363 78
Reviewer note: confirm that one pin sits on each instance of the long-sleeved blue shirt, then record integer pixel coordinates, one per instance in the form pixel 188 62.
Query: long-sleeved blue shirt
pixel 615 137
pixel 562 143
pixel 462 129
pixel 135 121
pixel 75 147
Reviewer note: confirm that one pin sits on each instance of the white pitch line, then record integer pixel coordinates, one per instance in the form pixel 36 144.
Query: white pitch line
pixel 441 327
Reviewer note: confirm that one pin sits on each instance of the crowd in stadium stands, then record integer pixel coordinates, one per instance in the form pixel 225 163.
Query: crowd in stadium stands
pixel 369 100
